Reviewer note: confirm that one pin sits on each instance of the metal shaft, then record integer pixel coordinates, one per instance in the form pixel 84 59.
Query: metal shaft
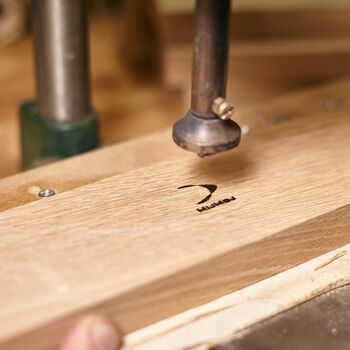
pixel 61 59
pixel 210 54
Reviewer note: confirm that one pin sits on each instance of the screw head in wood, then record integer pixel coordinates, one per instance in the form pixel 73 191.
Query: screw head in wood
pixel 46 192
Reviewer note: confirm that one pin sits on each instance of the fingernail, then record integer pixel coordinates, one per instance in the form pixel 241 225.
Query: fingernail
pixel 104 336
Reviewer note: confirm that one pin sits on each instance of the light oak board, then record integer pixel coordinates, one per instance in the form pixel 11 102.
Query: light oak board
pixel 135 246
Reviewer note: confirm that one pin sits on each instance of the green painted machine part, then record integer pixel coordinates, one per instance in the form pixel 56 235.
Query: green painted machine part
pixel 44 141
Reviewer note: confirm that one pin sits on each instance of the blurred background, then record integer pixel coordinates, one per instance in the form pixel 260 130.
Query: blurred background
pixel 140 60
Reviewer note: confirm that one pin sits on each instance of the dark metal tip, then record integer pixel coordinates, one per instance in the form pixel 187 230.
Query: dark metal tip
pixel 206 136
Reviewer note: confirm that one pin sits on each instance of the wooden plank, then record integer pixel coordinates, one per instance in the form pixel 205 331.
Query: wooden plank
pixel 266 26
pixel 319 323
pixel 126 104
pixel 271 52
pixel 226 317
pixel 261 70
pixel 135 246
pixel 123 104
pixel 78 171
pixel 185 6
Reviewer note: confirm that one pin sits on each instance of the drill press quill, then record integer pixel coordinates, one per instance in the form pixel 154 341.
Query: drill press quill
pixel 207 128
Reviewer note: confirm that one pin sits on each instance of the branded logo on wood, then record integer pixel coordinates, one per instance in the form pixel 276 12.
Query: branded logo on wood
pixel 211 188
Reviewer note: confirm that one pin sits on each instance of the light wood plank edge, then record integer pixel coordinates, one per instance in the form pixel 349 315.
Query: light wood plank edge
pixel 185 6
pixel 267 26
pixel 203 283
pixel 77 171
pixel 223 318
pixel 68 174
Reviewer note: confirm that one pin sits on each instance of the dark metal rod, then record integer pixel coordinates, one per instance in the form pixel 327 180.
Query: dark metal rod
pixel 61 59
pixel 211 45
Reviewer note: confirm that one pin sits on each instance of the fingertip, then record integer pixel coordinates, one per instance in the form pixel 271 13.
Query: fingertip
pixel 93 333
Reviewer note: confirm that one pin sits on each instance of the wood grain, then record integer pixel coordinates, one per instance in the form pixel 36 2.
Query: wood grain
pixel 108 161
pixel 183 6
pixel 265 26
pixel 124 104
pixel 13 20
pixel 129 107
pixel 227 317
pixel 258 71
pixel 134 245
